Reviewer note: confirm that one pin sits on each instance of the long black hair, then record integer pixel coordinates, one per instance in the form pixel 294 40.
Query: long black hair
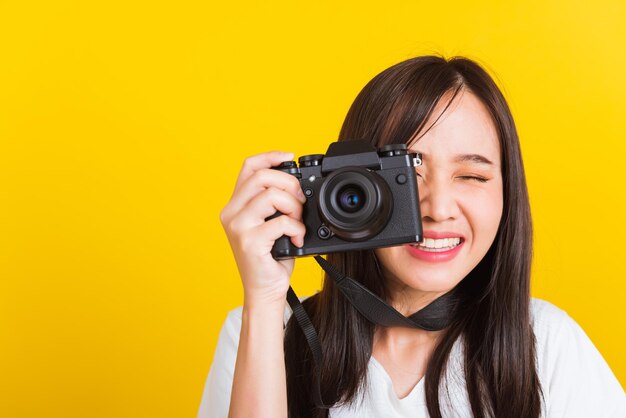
pixel 492 316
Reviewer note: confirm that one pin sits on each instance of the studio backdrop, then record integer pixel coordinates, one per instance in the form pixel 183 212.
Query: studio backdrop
pixel 123 125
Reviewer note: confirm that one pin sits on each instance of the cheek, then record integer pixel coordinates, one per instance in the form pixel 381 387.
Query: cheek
pixel 484 211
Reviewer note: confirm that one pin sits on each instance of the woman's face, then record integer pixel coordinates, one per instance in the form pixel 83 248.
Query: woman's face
pixel 460 189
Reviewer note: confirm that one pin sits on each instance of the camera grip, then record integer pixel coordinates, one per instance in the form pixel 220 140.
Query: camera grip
pixel 282 246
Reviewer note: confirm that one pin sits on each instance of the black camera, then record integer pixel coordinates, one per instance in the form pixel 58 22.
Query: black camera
pixel 358 197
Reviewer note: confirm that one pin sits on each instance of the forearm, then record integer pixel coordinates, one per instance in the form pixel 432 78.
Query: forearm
pixel 259 383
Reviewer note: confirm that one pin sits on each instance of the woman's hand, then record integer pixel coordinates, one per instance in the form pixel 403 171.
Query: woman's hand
pixel 259 192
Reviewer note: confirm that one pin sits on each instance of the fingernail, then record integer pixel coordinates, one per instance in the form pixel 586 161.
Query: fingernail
pixel 301 196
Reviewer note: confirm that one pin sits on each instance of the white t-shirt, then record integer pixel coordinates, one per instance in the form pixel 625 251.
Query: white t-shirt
pixel 575 379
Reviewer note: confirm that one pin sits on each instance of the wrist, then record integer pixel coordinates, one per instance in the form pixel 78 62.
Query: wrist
pixel 264 319
pixel 264 300
pixel 264 307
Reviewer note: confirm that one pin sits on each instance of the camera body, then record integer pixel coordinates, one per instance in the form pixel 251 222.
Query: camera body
pixel 358 197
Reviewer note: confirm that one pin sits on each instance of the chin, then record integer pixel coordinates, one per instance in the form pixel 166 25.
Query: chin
pixel 431 284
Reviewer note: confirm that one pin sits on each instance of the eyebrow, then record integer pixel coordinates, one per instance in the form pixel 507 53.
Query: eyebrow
pixel 472 158
pixel 466 158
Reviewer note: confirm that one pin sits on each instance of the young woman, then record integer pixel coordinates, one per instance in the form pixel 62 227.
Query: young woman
pixel 503 354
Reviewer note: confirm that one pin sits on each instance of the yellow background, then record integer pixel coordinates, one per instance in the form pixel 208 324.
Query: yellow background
pixel 123 126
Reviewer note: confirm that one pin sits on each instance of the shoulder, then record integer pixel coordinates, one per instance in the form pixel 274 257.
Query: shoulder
pixel 575 378
pixel 217 389
pixel 556 333
pixel 546 318
pixel 543 310
pixel 555 330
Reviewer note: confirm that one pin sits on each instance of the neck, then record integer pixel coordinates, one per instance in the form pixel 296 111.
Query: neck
pixel 399 339
pixel 407 301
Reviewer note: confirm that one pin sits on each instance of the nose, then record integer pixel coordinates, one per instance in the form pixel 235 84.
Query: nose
pixel 437 201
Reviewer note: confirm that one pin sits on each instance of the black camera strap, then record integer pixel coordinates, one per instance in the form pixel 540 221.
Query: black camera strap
pixel 376 310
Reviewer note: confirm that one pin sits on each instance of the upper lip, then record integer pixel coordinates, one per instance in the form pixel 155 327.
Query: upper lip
pixel 442 235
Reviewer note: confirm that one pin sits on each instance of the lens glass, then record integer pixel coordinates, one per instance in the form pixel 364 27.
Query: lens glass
pixel 351 198
pixel 355 203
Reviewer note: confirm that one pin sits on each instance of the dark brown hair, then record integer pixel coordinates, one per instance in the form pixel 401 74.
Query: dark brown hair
pixel 492 316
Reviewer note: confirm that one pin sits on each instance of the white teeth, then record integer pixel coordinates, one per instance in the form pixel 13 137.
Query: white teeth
pixel 439 244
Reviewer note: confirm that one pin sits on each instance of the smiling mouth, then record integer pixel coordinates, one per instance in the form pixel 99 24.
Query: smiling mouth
pixel 438 245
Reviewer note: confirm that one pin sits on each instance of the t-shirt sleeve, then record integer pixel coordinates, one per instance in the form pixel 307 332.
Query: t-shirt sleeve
pixel 216 396
pixel 577 381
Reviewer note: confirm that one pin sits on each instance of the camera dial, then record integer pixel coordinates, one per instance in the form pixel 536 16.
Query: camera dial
pixel 310 160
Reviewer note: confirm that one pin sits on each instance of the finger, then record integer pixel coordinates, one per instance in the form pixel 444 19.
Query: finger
pixel 265 204
pixel 259 161
pixel 275 228
pixel 260 181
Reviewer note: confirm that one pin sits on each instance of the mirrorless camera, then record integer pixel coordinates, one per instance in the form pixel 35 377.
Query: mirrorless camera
pixel 358 197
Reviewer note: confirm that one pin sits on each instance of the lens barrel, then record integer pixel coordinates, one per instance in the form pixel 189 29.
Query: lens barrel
pixel 355 203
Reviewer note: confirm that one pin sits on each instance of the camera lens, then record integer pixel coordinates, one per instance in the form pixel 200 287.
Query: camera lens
pixel 351 198
pixel 355 203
